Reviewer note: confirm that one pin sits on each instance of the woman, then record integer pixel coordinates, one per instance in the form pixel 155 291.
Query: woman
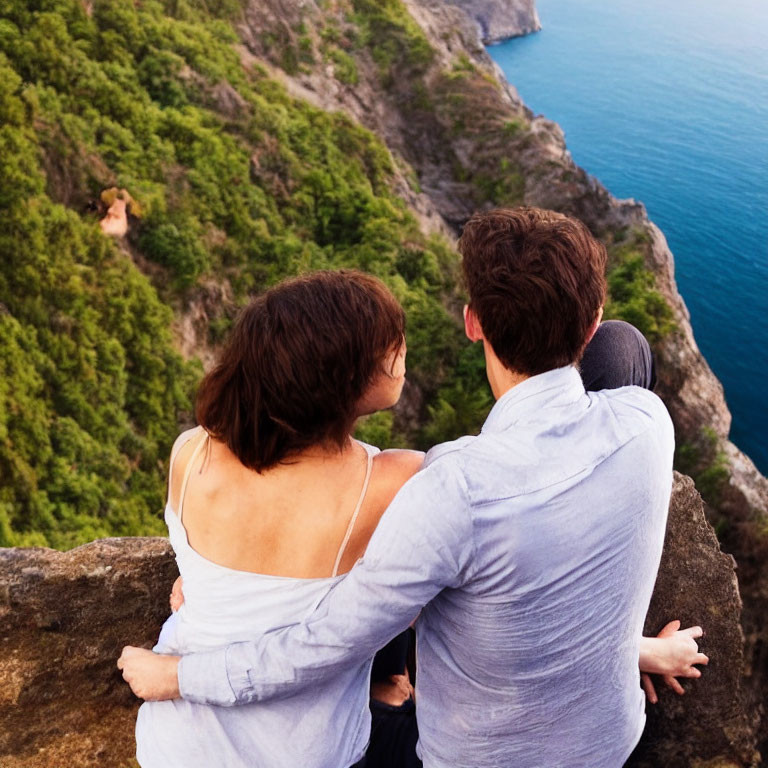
pixel 270 502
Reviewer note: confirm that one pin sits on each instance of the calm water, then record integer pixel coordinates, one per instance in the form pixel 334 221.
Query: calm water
pixel 667 102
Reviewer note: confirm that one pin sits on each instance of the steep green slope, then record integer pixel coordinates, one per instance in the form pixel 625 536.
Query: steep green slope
pixel 235 182
pixel 90 388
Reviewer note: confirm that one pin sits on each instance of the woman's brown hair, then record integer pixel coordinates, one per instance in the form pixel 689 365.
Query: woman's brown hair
pixel 296 364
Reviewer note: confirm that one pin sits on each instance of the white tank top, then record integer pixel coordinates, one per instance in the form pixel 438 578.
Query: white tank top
pixel 223 605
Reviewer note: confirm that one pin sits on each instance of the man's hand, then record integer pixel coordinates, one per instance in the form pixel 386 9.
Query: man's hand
pixel 671 654
pixel 152 676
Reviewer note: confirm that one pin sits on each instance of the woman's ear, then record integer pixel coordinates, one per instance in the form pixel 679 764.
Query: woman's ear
pixel 472 325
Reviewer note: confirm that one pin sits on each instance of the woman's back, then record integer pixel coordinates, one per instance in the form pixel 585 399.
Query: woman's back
pixel 290 520
pixel 257 552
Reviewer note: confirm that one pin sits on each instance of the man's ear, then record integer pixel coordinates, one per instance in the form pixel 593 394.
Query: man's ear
pixel 593 330
pixel 472 325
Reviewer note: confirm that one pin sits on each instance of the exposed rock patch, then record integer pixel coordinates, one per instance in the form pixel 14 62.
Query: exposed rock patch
pixel 501 19
pixel 209 303
pixel 115 221
pixel 697 584
pixel 64 617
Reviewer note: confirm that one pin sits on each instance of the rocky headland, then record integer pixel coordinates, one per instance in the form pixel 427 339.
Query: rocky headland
pixel 499 20
pixel 472 143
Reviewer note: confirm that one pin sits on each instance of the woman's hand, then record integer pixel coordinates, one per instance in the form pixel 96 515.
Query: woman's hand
pixel 671 654
pixel 152 676
pixel 394 692
pixel 177 595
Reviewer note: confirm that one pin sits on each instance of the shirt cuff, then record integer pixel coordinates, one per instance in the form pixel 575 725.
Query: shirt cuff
pixel 203 678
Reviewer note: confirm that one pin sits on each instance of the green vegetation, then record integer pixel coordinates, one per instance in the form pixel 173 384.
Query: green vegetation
pixel 461 405
pixel 344 68
pixel 236 182
pixel 506 187
pixel 377 429
pixel 707 464
pixel 91 389
pixel 632 295
pixel 393 37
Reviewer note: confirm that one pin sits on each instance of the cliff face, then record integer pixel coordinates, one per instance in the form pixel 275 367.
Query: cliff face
pixel 65 617
pixel 501 19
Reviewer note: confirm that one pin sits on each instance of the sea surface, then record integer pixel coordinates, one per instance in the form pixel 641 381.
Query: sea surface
pixel 667 102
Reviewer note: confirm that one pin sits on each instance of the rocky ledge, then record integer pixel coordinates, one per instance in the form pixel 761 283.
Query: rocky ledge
pixel 65 615
pixel 501 19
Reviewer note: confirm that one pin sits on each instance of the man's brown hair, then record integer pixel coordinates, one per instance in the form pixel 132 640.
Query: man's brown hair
pixel 536 280
pixel 298 360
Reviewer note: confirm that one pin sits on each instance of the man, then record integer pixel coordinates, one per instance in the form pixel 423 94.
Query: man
pixel 529 552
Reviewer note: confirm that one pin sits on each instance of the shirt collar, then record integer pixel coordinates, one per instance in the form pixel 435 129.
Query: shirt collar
pixel 558 387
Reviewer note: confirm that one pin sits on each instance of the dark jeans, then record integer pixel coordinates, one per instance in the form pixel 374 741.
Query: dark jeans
pixel 393 737
pixel 617 356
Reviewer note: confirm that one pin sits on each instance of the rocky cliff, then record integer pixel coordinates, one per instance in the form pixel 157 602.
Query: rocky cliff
pixel 65 616
pixel 454 122
pixel 501 19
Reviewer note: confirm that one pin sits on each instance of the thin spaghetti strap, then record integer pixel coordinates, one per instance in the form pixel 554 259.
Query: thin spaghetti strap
pixel 353 519
pixel 177 446
pixel 188 472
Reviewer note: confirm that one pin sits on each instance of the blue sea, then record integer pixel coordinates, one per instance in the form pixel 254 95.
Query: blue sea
pixel 667 102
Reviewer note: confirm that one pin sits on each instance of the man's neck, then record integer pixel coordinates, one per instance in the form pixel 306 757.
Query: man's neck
pixel 501 379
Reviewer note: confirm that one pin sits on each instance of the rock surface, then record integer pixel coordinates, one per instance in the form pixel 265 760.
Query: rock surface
pixel 501 19
pixel 65 616
pixel 713 723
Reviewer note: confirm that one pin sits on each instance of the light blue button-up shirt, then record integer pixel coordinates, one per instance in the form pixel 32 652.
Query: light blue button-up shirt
pixel 531 552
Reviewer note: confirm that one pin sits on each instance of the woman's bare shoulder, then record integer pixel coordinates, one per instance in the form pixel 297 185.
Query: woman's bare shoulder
pixel 184 437
pixel 180 455
pixel 398 465
pixel 391 470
